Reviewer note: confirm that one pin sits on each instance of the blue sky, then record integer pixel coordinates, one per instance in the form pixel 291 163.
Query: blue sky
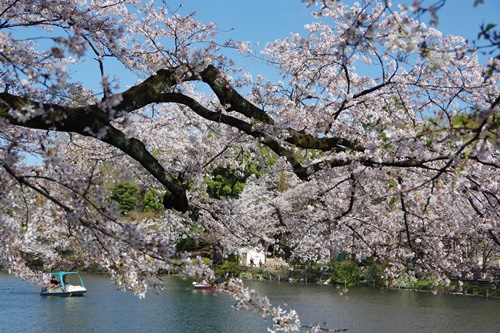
pixel 267 20
pixel 264 21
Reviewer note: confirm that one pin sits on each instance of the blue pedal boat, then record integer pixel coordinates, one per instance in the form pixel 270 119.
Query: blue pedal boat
pixel 64 284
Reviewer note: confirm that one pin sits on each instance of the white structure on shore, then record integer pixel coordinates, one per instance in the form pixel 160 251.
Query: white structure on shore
pixel 251 257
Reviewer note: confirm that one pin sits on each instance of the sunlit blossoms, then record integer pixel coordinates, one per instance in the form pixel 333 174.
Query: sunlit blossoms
pixel 380 139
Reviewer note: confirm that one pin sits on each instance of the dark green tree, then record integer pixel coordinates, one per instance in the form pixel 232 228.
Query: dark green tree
pixel 227 182
pixel 126 195
pixel 151 202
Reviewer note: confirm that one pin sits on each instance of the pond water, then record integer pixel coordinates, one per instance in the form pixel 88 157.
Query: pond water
pixel 179 308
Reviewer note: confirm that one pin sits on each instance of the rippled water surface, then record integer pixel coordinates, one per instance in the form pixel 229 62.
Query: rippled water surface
pixel 179 308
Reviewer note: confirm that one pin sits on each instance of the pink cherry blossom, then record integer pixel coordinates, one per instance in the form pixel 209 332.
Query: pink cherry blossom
pixel 379 139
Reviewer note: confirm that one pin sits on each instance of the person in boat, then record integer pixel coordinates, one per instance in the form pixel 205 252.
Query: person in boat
pixel 53 281
pixel 65 280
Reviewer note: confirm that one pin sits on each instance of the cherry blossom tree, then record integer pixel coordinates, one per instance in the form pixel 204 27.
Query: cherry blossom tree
pixel 379 139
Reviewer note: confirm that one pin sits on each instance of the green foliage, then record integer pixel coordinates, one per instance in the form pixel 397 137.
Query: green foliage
pixel 346 273
pixel 227 182
pixel 126 195
pixel 468 123
pixel 253 169
pixel 341 256
pixel 464 121
pixel 372 273
pixel 187 244
pixel 151 202
pixel 229 267
pixel 132 200
pixel 488 291
pixel 394 200
pixel 222 183
pixel 232 257
pixel 369 126
pixel 406 282
pixel 270 157
pixel 422 284
pixel 486 32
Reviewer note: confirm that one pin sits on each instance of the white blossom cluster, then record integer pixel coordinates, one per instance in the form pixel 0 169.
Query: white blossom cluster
pixel 380 139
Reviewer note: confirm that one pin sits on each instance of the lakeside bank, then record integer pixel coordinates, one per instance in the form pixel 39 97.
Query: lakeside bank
pixel 349 273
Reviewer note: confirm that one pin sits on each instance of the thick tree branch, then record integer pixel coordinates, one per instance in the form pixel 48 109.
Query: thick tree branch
pixel 245 127
pixel 54 117
pixel 228 96
pixel 80 120
pixel 134 148
pixel 158 88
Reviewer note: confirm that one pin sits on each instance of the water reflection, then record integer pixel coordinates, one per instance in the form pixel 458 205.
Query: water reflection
pixel 59 313
pixel 381 310
pixel 179 309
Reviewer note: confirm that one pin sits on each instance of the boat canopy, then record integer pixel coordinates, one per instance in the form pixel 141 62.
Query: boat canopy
pixel 68 278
